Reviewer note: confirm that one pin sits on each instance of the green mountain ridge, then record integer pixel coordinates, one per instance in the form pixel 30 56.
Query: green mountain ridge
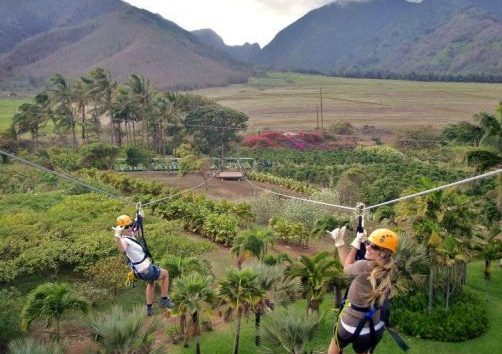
pixel 394 36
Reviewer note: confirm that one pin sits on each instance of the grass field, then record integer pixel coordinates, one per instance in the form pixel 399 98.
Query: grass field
pixel 8 107
pixel 220 341
pixel 287 100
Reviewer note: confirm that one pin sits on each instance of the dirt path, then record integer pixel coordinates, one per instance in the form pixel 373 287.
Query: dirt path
pixel 237 191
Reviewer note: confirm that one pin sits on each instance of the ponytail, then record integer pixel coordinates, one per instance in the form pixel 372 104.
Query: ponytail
pixel 380 280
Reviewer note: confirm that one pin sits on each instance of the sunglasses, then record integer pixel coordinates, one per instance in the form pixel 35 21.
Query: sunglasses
pixel 373 246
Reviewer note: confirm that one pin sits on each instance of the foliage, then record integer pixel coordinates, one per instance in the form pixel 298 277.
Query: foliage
pixel 239 291
pixel 137 155
pixel 31 346
pixel 10 322
pixel 315 273
pixel 177 266
pixel 50 301
pixel 125 331
pixel 462 133
pixel 412 264
pixel 301 140
pixel 289 232
pixel 252 243
pixel 284 182
pixel 417 137
pixel 192 297
pixel 212 141
pixel 264 206
pixel 108 273
pixel 220 228
pixel 466 317
pixel 99 155
pixel 342 128
pixel 289 331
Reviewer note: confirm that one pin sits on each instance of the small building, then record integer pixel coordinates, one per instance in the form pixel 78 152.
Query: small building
pixel 230 176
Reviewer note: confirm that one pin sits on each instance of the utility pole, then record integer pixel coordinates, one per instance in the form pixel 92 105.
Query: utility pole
pixel 317 117
pixel 322 117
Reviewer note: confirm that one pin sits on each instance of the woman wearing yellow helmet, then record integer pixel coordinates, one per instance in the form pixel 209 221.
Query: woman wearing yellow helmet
pixel 140 263
pixel 359 321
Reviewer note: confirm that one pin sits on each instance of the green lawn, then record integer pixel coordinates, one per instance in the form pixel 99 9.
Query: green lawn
pixel 8 107
pixel 220 341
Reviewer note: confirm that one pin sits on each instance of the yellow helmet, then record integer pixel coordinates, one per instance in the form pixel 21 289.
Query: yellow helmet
pixel 124 220
pixel 385 238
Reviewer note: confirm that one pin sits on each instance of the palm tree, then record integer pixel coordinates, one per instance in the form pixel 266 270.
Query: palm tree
pixel 61 98
pixel 192 296
pixel 103 86
pixel 289 331
pixel 239 290
pixel 31 346
pixel 440 219
pixel 277 288
pixel 252 243
pixel 31 116
pixel 411 265
pixel 50 301
pixel 489 149
pixel 315 274
pixel 178 265
pixel 140 94
pixel 125 331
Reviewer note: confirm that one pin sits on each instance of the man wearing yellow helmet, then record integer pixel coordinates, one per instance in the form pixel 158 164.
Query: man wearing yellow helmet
pixel 359 321
pixel 140 264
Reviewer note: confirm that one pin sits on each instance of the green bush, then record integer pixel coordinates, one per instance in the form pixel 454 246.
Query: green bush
pixel 99 155
pixel 465 318
pixel 136 155
pixel 289 232
pixel 10 320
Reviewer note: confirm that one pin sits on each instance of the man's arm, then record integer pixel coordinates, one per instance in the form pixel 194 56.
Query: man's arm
pixel 118 234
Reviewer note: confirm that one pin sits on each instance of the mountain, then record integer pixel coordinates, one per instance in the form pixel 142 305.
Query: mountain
pixel 437 37
pixel 247 53
pixel 41 37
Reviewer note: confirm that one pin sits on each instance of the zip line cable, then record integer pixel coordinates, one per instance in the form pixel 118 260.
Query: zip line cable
pixel 466 180
pixel 180 192
pixel 37 166
pixel 293 197
pixel 470 179
pixel 65 177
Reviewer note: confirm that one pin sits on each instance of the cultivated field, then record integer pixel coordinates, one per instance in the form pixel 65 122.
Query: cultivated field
pixel 286 100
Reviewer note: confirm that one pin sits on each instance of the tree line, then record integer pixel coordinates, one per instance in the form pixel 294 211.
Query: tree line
pixel 95 108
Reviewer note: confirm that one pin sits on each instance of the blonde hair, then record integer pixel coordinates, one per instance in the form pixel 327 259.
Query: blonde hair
pixel 380 280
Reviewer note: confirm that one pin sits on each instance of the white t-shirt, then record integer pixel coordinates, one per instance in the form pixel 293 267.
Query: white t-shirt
pixel 135 254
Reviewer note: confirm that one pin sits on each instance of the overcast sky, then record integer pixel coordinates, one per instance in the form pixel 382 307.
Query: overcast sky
pixel 236 21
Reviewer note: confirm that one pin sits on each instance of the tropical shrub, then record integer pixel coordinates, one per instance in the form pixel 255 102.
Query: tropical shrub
pixel 125 331
pixel 31 346
pixel 289 232
pixel 221 228
pixel 10 321
pixel 466 317
pixel 283 182
pixel 49 301
pixel 98 155
pixel 136 155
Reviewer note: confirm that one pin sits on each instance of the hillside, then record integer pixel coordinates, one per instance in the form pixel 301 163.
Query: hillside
pixel 39 38
pixel 440 37
pixel 247 53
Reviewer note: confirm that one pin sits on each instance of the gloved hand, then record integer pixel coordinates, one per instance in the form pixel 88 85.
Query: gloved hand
pixel 118 231
pixel 337 235
pixel 360 238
